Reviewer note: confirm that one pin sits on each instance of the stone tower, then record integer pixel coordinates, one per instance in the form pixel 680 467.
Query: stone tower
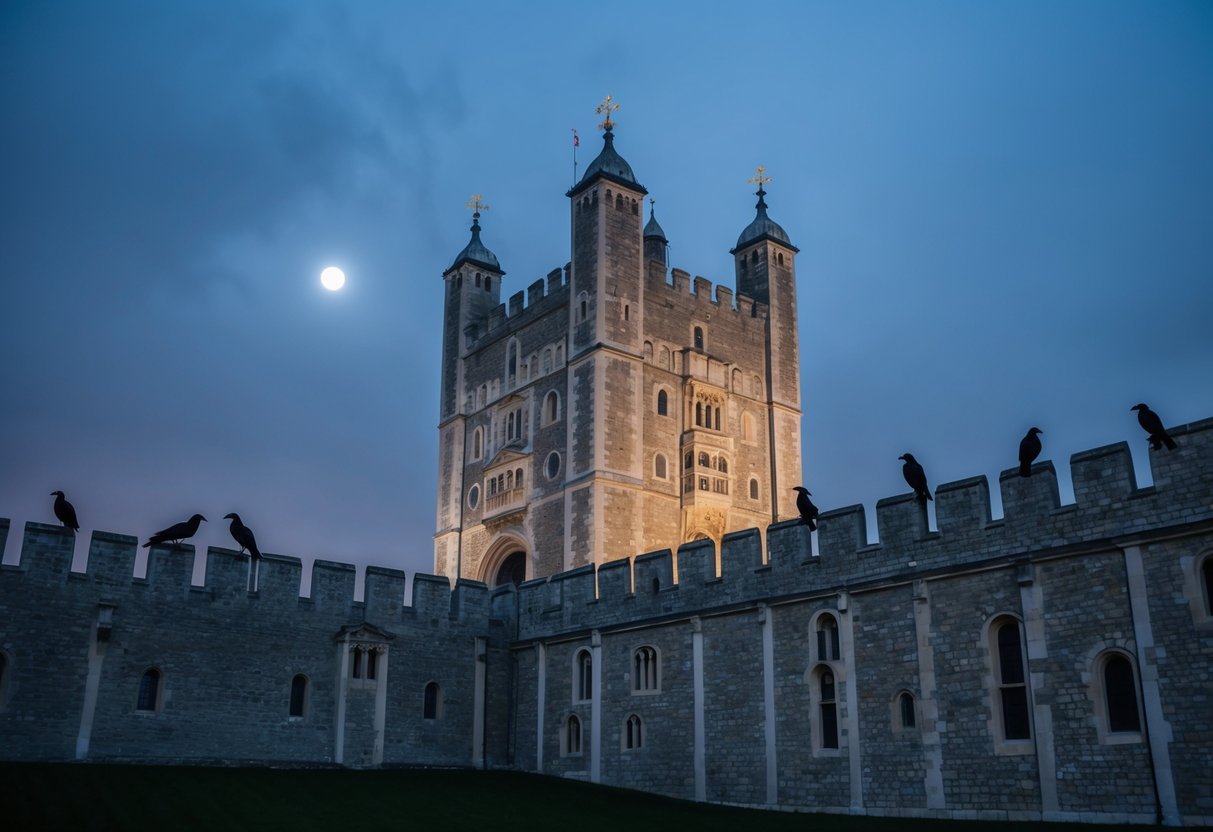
pixel 619 406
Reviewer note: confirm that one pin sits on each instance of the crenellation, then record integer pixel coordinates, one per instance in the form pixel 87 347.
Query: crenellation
pixel 516 303
pixel 170 569
pixel 431 597
pixel 384 593
pixel 534 292
pixel 279 579
pixel 1102 476
pixel 333 584
pixel 573 590
pixel 724 297
pixel 703 288
pixel 901 521
pixel 652 573
pixel 111 560
pixel 963 507
pixel 470 601
pixel 789 545
pixel 681 281
pixel 1029 497
pixel 740 555
pixel 227 572
pixel 841 532
pixel 555 281
pixel 696 567
pixel 47 550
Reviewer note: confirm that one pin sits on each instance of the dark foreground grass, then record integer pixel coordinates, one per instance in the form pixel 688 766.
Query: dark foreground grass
pixel 37 796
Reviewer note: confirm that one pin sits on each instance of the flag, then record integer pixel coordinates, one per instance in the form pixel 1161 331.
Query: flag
pixel 576 141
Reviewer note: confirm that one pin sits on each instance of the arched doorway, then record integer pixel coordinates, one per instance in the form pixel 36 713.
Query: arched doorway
pixel 512 569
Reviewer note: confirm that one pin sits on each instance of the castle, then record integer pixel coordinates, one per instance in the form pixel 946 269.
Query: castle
pixel 1055 663
pixel 614 410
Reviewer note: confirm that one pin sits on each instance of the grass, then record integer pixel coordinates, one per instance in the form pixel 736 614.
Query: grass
pixel 38 796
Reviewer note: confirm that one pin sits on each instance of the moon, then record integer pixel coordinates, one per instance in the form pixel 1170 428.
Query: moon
pixel 332 278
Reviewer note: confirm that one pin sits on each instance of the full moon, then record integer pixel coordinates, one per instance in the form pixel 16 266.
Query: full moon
pixel 332 278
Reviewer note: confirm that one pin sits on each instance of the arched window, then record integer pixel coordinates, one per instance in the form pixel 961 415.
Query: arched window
pixel 705 461
pixel 699 414
pixel 627 312
pixel 648 345
pixel 756 386
pixel 459 281
pixel 659 467
pixel 477 443
pixel 737 380
pixel 518 478
pixel 570 741
pixel 722 465
pixel 551 407
pixel 828 709
pixel 663 403
pixel 298 696
pixel 547 360
pixel 583 306
pixel 583 679
pixel 699 338
pixel 754 256
pixel 780 256
pixel 827 639
pixel 718 418
pixel 906 717
pixel 753 488
pixel 560 355
pixel 478 276
pixel 431 705
pixel 748 431
pixel 511 362
pixel 618 202
pixel 488 282
pixel 663 358
pixel 149 691
pixel 1120 694
pixel 645 678
pixel 632 737
pixel 1010 678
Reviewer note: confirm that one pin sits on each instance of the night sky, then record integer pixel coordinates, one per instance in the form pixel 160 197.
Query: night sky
pixel 1004 215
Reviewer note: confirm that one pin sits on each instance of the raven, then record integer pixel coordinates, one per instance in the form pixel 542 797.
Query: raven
pixel 808 511
pixel 1029 449
pixel 915 477
pixel 1149 420
pixel 176 532
pixel 65 512
pixel 243 535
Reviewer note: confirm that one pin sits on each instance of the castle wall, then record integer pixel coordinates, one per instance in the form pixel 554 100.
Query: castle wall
pixel 737 716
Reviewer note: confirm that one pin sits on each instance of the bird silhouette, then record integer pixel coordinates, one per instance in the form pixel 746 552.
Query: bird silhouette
pixel 176 532
pixel 808 511
pixel 915 477
pixel 1029 449
pixel 65 512
pixel 243 535
pixel 1149 420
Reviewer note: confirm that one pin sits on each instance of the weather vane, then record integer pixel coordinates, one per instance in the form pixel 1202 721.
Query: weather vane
pixel 605 109
pixel 760 176
pixel 476 204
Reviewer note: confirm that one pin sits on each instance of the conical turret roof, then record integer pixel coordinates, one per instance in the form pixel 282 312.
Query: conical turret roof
pixel 652 229
pixel 476 252
pixel 763 228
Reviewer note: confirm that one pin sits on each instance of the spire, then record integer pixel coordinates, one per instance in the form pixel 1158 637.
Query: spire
pixel 608 164
pixel 763 227
pixel 475 252
pixel 652 230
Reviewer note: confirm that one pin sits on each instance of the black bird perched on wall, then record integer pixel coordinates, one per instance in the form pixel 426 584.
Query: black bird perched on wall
pixel 1029 449
pixel 808 511
pixel 176 532
pixel 915 477
pixel 1149 420
pixel 243 535
pixel 65 511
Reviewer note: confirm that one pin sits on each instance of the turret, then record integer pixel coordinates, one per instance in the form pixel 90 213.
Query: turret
pixel 655 243
pixel 473 290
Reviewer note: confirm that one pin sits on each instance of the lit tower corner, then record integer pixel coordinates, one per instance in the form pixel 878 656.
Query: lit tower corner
pixel 472 290
pixel 605 372
pixel 765 262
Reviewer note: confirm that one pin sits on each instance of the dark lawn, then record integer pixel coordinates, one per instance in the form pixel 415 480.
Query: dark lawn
pixel 95 797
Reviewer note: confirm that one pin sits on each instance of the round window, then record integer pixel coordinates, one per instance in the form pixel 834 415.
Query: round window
pixel 474 496
pixel 552 466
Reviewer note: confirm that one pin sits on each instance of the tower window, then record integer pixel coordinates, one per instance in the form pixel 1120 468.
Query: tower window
pixel 148 700
pixel 298 696
pixel 1010 679
pixel 688 461
pixel 718 418
pixel 626 311
pixel 570 743
pixel 478 280
pixel 753 488
pixel 1206 576
pixel 829 711
pixel 583 681
pixel 781 258
pixel 431 703
pixel 1120 695
pixel 632 735
pixel 645 677
pixel 459 281
pixel 659 467
pixel 827 639
pixel 663 403
pixel 488 283
pixel 551 407
pixel 905 710
pixel 699 338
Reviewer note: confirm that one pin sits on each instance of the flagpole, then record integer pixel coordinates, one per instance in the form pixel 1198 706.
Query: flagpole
pixel 575 143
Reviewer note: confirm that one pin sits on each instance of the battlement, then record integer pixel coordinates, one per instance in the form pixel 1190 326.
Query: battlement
pixel 1109 510
pixel 702 297
pixel 507 318
pixel 233 582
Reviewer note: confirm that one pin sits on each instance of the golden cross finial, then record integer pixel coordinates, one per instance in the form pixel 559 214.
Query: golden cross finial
pixel 760 176
pixel 605 109
pixel 476 204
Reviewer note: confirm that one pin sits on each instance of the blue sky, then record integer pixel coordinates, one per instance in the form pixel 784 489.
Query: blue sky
pixel 1003 212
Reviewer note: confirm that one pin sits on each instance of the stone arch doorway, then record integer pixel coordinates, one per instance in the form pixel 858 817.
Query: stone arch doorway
pixel 506 562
